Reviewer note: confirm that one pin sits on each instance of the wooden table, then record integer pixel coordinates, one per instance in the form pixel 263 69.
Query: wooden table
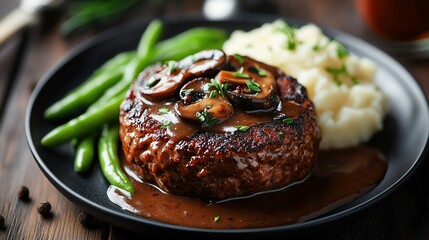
pixel 26 57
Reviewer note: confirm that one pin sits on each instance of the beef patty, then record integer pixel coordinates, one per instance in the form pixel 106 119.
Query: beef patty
pixel 214 127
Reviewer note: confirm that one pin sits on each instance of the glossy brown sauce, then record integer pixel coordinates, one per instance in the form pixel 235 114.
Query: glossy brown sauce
pixel 185 129
pixel 339 177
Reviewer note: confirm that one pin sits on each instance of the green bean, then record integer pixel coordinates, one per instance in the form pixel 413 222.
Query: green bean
pixel 84 154
pixel 85 12
pixel 150 37
pixel 130 73
pixel 84 123
pixel 120 59
pixel 189 42
pixel 143 59
pixel 109 160
pixel 90 90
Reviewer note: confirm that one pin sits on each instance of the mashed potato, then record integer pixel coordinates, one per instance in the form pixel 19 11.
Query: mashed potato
pixel 349 105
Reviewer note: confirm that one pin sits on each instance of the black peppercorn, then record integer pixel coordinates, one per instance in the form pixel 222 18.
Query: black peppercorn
pixel 44 208
pixel 23 193
pixel 2 225
pixel 87 220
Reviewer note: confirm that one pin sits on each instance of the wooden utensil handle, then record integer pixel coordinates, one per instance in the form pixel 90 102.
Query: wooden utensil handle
pixel 14 22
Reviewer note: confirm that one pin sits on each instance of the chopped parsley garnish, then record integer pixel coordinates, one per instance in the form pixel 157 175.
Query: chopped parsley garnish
pixel 240 74
pixel 216 218
pixel 342 51
pixel 206 117
pixel 152 82
pixel 172 65
pixel 213 94
pixel 239 58
pixel 261 72
pixel 222 88
pixel 288 121
pixel 166 123
pixel 188 91
pixel 318 46
pixel 242 128
pixel 336 72
pixel 253 86
pixel 290 34
pixel 164 110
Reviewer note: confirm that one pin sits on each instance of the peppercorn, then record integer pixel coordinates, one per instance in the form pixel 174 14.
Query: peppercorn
pixel 23 193
pixel 87 220
pixel 44 208
pixel 2 225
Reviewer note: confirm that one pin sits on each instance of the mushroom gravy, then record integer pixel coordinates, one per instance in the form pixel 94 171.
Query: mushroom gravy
pixel 340 176
pixel 163 111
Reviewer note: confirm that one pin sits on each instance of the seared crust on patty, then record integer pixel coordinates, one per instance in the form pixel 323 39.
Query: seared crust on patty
pixel 218 165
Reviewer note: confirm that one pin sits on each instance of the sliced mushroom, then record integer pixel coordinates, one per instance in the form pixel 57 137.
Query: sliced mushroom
pixel 252 87
pixel 205 63
pixel 164 82
pixel 199 103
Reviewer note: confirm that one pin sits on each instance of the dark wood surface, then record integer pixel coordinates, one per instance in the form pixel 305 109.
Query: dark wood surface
pixel 403 215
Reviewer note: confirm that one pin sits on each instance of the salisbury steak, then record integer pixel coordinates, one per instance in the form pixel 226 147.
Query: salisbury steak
pixel 213 126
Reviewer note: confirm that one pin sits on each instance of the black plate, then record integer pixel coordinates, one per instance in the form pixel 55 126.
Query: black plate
pixel 403 140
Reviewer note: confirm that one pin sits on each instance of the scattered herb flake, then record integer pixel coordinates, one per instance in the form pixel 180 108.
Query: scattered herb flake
pixel 253 86
pixel 240 74
pixel 166 123
pixel 188 91
pixel 290 34
pixel 225 88
pixel 206 117
pixel 212 122
pixel 164 110
pixel 342 51
pixel 216 218
pixel 261 72
pixel 336 72
pixel 222 88
pixel 318 46
pixel 152 82
pixel 288 121
pixel 242 128
pixel 213 94
pixel 200 116
pixel 239 58
pixel 172 65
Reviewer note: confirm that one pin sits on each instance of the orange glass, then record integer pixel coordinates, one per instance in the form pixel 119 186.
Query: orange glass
pixel 396 19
